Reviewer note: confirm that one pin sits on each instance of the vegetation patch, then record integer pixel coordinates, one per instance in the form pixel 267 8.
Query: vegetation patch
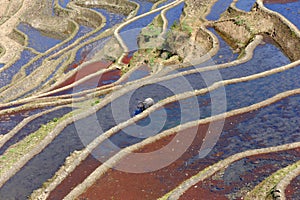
pixel 18 150
pixel 2 51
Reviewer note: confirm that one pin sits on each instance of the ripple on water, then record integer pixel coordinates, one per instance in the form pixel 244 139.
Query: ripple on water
pixel 53 156
pixel 247 93
pixel 236 91
pixel 276 124
pixel 233 93
pixel 181 166
pixel 265 57
pixel 289 10
pixel 237 96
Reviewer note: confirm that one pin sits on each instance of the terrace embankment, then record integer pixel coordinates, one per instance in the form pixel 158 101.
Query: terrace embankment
pixel 85 16
pixel 52 25
pixel 115 184
pixel 18 36
pixel 69 26
pixel 194 148
pixel 186 40
pixel 242 175
pixel 162 180
pixel 11 12
pixel 144 184
pixel 61 25
pixel 118 6
pixel 193 22
pixel 239 28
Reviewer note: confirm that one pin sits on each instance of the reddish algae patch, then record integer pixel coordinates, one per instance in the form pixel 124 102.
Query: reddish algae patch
pixel 76 177
pixel 85 71
pixel 151 185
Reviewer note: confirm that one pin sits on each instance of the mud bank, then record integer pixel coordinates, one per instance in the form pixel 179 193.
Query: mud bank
pixel 117 6
pixel 240 27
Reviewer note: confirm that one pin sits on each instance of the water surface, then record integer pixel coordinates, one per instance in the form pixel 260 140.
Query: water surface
pixel 33 126
pixel 7 74
pixel 289 10
pixel 63 3
pixel 145 6
pixel 174 14
pixel 245 5
pixel 218 8
pixel 36 39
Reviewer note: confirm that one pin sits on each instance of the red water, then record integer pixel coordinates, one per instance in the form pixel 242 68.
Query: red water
pixel 85 71
pixel 151 185
pixel 76 177
pixel 126 59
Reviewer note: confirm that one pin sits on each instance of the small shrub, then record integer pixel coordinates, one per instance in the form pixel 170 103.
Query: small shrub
pixel 240 22
pixel 96 102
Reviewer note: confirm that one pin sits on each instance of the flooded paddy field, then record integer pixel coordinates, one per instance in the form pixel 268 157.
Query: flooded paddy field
pixel 191 162
pixel 71 121
pixel 290 10
pixel 36 40
pixel 242 176
pixel 8 73
pixel 217 9
pixel 245 5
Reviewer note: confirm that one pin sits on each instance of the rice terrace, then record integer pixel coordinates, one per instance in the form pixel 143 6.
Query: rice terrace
pixel 149 99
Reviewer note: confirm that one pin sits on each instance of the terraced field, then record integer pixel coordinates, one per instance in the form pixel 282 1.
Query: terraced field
pixel 224 76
